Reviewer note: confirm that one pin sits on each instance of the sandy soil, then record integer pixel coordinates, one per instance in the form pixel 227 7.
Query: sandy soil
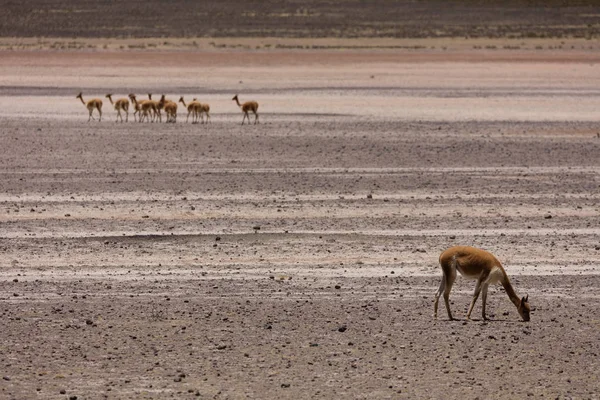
pixel 298 258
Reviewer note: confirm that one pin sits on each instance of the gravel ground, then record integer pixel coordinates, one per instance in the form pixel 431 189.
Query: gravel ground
pixel 298 258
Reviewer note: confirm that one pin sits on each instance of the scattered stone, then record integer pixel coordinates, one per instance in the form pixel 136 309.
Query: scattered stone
pixel 369 196
pixel 221 347
pixel 342 328
pixel 285 385
pixel 548 216
pixel 6 378
pixel 337 286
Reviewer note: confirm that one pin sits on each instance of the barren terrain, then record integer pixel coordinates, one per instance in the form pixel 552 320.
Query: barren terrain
pixel 298 258
pixel 308 18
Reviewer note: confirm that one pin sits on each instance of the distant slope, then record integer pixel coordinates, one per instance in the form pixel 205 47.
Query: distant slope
pixel 306 18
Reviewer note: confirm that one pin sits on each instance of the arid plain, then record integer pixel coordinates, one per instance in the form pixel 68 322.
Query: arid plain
pixel 297 258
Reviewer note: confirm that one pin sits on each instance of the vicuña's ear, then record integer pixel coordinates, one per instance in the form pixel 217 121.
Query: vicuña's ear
pixel 526 297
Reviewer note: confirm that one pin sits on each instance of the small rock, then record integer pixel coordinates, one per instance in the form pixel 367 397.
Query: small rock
pixel 548 216
pixel 218 238
pixel 89 322
pixel 6 378
pixel 452 236
pixel 342 328
pixel 221 347
pixel 337 286
pixel 285 385
pixel 369 196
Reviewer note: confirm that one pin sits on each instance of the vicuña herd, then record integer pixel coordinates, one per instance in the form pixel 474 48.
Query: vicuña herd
pixel 151 110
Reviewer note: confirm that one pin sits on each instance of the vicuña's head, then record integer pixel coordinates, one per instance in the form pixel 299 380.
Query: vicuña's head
pixel 235 97
pixel 524 308
pixel 79 95
pixel 108 95
pixel 131 96
pixel 181 99
pixel 150 96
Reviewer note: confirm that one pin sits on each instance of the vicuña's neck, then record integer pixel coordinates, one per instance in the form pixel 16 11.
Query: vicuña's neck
pixel 238 102
pixel 511 293
pixel 110 99
pixel 82 102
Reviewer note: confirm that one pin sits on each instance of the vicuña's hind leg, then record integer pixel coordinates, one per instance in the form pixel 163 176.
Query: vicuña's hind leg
pixel 437 296
pixel 450 276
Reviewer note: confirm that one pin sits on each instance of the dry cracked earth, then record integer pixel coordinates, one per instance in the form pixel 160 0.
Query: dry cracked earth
pixel 298 258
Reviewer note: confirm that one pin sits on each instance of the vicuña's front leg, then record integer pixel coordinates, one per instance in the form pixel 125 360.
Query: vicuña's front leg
pixel 481 284
pixel 475 296
pixel 484 291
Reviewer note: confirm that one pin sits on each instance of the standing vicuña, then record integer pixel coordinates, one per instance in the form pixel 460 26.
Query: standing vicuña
pixel 247 106
pixel 476 264
pixel 121 104
pixel 146 107
pixel 91 105
pixel 194 108
pixel 204 109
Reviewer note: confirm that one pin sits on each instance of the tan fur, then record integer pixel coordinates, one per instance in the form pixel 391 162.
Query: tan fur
pixel 121 104
pixel 170 108
pixel 246 107
pixel 194 108
pixel 146 107
pixel 204 109
pixel 476 264
pixel 156 108
pixel 94 104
